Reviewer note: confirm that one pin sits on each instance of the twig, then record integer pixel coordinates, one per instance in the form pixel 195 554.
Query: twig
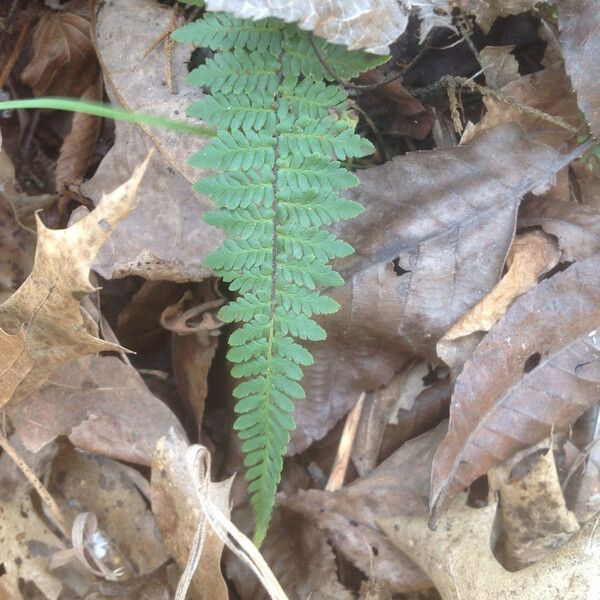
pixel 37 484
pixel 340 466
pixel 498 95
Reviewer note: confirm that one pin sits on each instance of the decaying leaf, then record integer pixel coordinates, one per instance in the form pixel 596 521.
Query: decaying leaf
pixel 64 60
pixel 427 249
pixel 46 307
pixel 534 518
pixel 579 23
pixel 459 560
pixel 499 65
pixel 360 24
pixel 166 238
pixel 106 409
pixel 349 515
pixel 487 11
pixel 177 510
pixel 536 371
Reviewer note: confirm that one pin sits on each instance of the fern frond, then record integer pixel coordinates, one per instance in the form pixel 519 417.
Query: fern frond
pixel 283 130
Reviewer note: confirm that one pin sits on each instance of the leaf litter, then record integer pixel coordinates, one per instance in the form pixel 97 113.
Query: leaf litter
pixel 472 292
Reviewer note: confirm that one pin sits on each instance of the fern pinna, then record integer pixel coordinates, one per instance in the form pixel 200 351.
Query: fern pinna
pixel 282 131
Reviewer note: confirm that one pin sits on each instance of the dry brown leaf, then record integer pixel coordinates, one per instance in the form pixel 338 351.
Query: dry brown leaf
pixel 427 249
pixel 105 409
pixel 47 306
pixel 499 65
pixel 79 144
pixel 81 482
pixel 532 254
pixel 534 518
pixel 177 510
pixel 64 61
pixel 579 23
pixel 166 238
pixel 536 371
pixel 459 560
pixel 349 515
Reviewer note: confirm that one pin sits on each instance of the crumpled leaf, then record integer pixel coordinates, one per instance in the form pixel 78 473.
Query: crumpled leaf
pixel 534 518
pixel 166 238
pixel 106 409
pixel 64 60
pixel 177 510
pixel 459 560
pixel 532 254
pixel 579 22
pixel 536 371
pixel 349 515
pixel 371 25
pixel 47 306
pixel 431 243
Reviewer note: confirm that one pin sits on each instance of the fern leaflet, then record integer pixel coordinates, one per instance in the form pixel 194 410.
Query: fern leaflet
pixel 282 131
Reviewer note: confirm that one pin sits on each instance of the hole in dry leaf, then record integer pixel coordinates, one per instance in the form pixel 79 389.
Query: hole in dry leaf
pixel 104 225
pixel 375 550
pixel 478 493
pixel 2 569
pixel 532 362
pixel 397 268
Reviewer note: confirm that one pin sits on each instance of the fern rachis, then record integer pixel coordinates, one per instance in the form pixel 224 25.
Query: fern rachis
pixel 282 131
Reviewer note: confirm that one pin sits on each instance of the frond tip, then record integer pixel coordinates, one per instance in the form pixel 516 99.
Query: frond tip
pixel 277 181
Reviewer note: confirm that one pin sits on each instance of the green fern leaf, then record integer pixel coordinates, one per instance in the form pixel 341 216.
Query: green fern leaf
pixel 283 130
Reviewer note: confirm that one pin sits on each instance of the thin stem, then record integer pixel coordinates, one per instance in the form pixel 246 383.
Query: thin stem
pixel 99 109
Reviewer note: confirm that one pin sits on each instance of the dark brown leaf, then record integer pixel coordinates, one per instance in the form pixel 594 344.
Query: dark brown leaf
pixel 579 23
pixel 64 60
pixel 431 243
pixel 536 371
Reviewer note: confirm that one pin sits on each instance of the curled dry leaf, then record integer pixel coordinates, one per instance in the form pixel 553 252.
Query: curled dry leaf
pixel 79 144
pixel 428 247
pixel 46 308
pixel 579 22
pixel 534 518
pixel 536 371
pixel 166 238
pixel 64 60
pixel 106 409
pixel 349 515
pixel 459 560
pixel 177 510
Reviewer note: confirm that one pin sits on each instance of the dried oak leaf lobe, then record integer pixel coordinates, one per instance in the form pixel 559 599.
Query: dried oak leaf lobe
pixel 46 308
pixel 536 371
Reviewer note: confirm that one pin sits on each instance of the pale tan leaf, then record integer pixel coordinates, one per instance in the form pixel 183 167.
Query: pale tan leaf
pixel 64 61
pixel 178 510
pixel 459 560
pixel 47 306
pixel 499 65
